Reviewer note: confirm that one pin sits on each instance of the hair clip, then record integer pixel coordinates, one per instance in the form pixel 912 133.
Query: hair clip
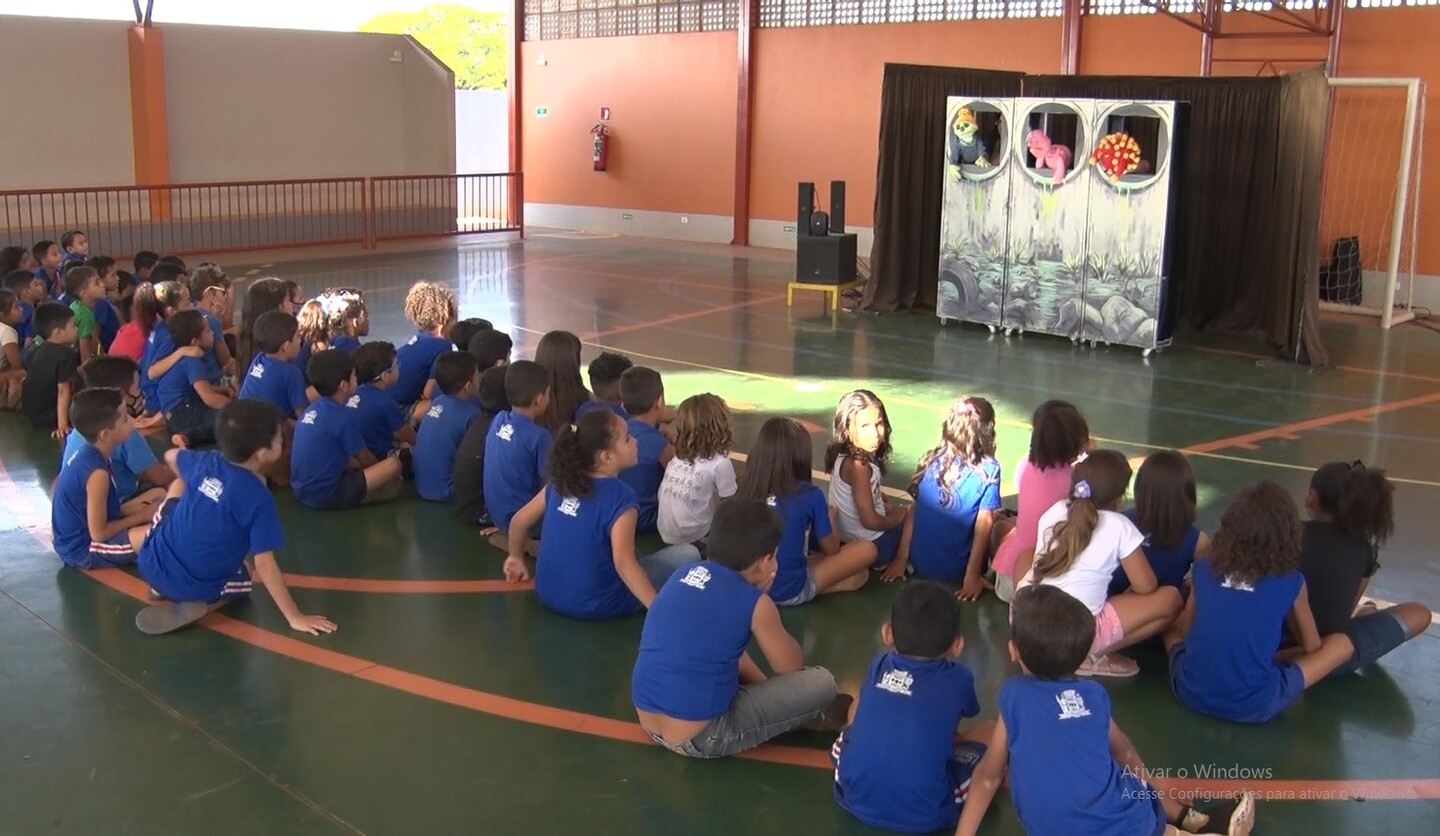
pixel 1082 490
pixel 1084 454
pixel 965 408
pixel 574 429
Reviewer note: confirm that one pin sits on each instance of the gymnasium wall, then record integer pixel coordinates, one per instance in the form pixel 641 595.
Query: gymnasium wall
pixel 816 108
pixel 241 103
pixel 65 93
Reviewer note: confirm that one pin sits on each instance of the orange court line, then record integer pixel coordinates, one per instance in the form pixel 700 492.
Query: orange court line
pixel 621 730
pixel 679 317
pixel 1247 440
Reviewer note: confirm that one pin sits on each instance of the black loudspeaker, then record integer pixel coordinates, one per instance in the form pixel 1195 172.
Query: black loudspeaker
pixel 807 207
pixel 819 224
pixel 837 207
pixel 825 260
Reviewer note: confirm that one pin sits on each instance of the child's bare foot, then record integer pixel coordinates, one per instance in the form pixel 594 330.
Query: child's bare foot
pixel 179 441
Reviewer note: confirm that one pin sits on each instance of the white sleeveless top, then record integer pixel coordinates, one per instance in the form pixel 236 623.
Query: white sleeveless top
pixel 842 498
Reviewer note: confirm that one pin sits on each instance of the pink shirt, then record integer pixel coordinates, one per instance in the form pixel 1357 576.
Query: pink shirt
pixel 1038 489
pixel 129 342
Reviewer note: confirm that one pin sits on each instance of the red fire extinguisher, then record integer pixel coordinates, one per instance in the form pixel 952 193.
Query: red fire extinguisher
pixel 601 135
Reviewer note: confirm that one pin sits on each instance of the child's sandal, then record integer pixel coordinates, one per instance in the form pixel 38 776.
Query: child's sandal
pixel 1117 667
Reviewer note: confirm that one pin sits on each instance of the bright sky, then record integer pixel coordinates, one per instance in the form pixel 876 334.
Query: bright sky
pixel 339 15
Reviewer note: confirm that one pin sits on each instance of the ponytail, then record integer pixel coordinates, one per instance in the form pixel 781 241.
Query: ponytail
pixel 145 307
pixel 1098 483
pixel 572 456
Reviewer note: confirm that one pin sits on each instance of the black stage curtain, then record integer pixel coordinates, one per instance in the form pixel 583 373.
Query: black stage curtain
pixel 905 258
pixel 1250 193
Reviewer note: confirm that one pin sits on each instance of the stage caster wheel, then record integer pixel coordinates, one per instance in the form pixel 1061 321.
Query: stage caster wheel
pixel 992 328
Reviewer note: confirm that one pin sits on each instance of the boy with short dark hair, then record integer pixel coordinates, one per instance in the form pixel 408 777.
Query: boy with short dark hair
pixel 695 688
pixel 107 318
pixel 47 256
pixel 190 399
pixel 91 528
pixel 272 377
pixel 210 294
pixel 450 415
pixel 75 246
pixel 330 467
pixel 52 370
pixel 1071 769
pixel 83 290
pixel 132 462
pixel 462 332
pixel 605 372
pixel 218 518
pixel 902 764
pixel 144 262
pixel 491 349
pixel 382 424
pixel 642 394
pixel 30 290
pixel 467 480
pixel 517 448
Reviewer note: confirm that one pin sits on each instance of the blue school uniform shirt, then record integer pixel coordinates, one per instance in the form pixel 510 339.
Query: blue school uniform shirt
pixel 1228 669
pixel 53 286
pixel 802 514
pixel 107 322
pixel 1170 565
pixel 345 343
pixel 127 461
pixel 326 438
pixel 697 628
pixel 594 404
pixel 945 531
pixel 645 476
pixel 417 366
pixel 26 327
pixel 178 383
pixel 210 358
pixel 1063 778
pixel 516 453
pixel 575 570
pixel 69 522
pixel 436 441
pixel 893 770
pixel 277 381
pixel 378 417
pixel 158 346
pixel 225 514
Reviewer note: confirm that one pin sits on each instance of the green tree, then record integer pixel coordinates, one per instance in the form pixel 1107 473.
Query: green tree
pixel 472 43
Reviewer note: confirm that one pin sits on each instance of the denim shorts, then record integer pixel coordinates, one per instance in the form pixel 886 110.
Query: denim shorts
pixel 1373 635
pixel 804 596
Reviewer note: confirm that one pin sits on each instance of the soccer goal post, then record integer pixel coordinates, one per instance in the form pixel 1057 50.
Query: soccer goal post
pixel 1370 206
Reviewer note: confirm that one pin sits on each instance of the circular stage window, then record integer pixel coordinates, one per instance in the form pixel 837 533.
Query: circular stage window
pixel 1133 147
pixel 975 140
pixel 1052 143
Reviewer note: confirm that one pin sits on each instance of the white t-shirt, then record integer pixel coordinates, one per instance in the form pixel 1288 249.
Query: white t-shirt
pixel 8 336
pixel 1088 580
pixel 688 496
pixel 842 499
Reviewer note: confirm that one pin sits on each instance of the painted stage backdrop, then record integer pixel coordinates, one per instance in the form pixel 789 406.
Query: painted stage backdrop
pixel 1057 222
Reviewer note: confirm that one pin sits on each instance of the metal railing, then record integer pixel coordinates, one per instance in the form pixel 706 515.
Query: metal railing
pixel 188 218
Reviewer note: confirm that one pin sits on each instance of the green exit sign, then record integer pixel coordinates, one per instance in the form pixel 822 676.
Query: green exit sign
pixel 789 227
pixel 627 217
pixel 542 111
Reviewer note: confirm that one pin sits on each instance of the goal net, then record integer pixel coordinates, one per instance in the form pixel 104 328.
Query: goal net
pixel 1370 209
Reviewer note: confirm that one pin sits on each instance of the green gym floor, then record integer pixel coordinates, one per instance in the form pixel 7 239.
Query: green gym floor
pixel 449 702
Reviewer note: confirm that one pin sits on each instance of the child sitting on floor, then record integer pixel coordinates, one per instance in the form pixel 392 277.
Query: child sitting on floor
pixel 588 566
pixel 381 423
pixel 1058 436
pixel 218 527
pixel 347 317
pixel 517 450
pixel 1164 513
pixel 1071 769
pixel 957 492
pixel 467 479
pixel 132 462
pixel 1083 541
pixel 189 397
pixel 210 294
pixel 903 764
pixel 1225 656
pixel 272 376
pixel 604 373
pixel 83 290
pixel 856 458
pixel 451 413
pixel 1352 514
pixel 695 688
pixel 12 365
pixel 91 527
pixel 52 370
pixel 642 393
pixel 330 467
pixel 701 474
pixel 431 308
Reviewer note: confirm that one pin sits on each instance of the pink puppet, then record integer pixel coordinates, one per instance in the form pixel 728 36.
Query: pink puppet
pixel 1048 155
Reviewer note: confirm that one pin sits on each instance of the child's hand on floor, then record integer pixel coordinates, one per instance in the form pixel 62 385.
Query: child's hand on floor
pixel 973 588
pixel 516 570
pixel 312 624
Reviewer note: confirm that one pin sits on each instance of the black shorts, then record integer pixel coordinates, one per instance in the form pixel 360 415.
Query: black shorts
pixel 350 493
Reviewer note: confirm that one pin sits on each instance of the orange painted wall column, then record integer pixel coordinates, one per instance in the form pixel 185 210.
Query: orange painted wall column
pixel 148 115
